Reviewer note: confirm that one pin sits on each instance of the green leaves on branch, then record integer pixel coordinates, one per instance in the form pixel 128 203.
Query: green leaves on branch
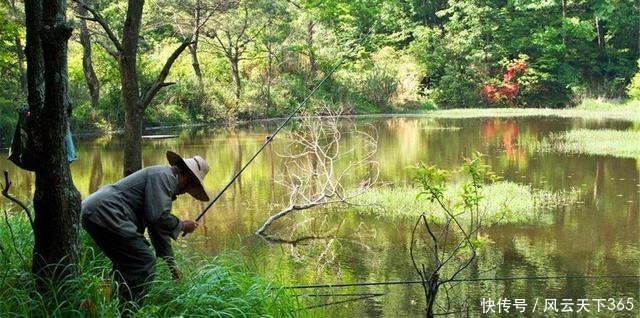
pixel 434 183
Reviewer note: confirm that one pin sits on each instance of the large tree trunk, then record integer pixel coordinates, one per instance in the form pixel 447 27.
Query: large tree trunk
pixel 87 65
pixel 56 200
pixel 133 137
pixel 133 109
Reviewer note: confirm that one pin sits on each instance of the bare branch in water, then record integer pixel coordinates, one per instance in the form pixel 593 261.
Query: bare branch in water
pixel 5 193
pixel 317 167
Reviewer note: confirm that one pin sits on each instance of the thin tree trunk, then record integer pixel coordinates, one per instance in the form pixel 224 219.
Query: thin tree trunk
pixel 564 16
pixel 193 51
pixel 23 73
pixel 312 52
pixel 269 76
pixel 235 74
pixel 56 200
pixel 87 65
pixel 599 32
pixel 193 48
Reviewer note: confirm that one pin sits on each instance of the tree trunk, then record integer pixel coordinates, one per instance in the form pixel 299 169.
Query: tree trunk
pixel 130 90
pixel 87 65
pixel 193 51
pixel 193 48
pixel 564 16
pixel 312 52
pixel 599 32
pixel 269 76
pixel 56 201
pixel 235 74
pixel 23 73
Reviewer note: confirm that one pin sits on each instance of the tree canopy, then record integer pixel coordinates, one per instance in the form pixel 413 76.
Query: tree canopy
pixel 255 59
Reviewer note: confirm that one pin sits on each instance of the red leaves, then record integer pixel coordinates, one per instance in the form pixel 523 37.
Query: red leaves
pixel 489 91
pixel 508 89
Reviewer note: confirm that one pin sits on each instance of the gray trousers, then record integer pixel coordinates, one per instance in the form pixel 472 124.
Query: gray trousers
pixel 132 258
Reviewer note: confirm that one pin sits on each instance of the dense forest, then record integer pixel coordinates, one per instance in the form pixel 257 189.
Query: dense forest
pixel 228 60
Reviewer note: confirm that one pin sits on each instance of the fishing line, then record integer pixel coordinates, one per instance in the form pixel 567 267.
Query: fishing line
pixel 408 282
pixel 295 111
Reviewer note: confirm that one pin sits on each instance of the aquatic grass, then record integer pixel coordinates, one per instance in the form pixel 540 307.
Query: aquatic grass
pixel 502 202
pixel 606 142
pixel 588 109
pixel 222 286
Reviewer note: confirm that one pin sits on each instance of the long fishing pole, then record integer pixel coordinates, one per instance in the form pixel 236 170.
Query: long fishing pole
pixel 270 138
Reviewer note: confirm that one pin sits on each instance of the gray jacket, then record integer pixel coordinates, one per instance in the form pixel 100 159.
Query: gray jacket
pixel 139 201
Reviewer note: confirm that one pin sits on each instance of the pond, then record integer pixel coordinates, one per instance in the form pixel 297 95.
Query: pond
pixel 596 235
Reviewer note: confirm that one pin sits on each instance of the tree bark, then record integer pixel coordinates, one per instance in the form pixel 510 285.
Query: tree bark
pixel 312 52
pixel 193 47
pixel 56 200
pixel 87 65
pixel 130 90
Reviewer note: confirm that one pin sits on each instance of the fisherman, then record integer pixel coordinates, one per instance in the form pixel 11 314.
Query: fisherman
pixel 117 215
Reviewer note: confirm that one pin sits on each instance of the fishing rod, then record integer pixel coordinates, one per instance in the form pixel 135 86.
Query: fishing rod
pixel 270 137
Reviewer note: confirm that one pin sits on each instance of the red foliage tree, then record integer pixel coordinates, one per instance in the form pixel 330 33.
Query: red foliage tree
pixel 509 88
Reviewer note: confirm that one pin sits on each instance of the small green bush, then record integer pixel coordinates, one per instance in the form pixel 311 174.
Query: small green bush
pixel 633 89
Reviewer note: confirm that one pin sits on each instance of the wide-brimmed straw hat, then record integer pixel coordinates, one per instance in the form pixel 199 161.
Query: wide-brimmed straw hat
pixel 198 168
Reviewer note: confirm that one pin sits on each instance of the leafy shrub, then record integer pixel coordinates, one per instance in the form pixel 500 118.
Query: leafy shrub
pixel 633 90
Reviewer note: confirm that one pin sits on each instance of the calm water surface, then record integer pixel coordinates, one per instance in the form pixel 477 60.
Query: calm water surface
pixel 598 236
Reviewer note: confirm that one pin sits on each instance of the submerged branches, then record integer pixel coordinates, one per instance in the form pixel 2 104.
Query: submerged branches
pixel 320 171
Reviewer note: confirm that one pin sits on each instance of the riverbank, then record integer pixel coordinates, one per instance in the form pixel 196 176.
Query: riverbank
pixel 221 286
pixel 594 109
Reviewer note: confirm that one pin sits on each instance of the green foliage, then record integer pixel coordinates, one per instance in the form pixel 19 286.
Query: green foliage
pixel 222 286
pixel 633 90
pixel 10 92
pixel 420 55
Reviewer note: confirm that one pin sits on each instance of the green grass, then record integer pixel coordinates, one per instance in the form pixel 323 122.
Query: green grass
pixel 502 202
pixel 617 143
pixel 222 286
pixel 588 109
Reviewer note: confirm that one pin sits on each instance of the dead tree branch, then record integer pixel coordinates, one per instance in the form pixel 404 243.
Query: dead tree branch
pixel 5 193
pixel 317 166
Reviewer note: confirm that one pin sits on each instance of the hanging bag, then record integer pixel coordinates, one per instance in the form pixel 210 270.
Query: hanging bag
pixel 21 151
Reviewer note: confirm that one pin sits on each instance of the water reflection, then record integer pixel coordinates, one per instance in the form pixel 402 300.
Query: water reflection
pixel 599 237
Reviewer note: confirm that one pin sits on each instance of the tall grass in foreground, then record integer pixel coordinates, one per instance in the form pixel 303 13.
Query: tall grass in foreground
pixel 501 202
pixel 223 286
